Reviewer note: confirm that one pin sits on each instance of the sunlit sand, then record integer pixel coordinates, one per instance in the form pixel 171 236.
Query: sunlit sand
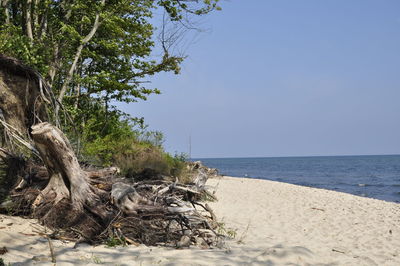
pixel 274 223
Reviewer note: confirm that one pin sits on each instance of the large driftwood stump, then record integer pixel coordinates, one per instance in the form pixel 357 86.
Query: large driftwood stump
pixel 66 178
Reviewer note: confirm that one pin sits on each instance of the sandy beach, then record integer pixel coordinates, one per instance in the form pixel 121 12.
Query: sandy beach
pixel 275 224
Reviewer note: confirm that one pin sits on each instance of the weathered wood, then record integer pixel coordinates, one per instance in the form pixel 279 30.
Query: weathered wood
pixel 67 179
pixel 128 200
pixel 101 173
pixel 200 179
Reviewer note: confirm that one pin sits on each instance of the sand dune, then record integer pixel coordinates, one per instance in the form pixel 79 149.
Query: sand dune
pixel 275 224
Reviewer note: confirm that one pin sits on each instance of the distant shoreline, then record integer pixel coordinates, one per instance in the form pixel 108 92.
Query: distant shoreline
pixel 294 156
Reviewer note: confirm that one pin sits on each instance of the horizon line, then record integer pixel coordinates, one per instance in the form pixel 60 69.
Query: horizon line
pixel 293 156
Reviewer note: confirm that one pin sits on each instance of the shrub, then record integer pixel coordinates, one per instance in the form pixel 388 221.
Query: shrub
pixel 138 153
pixel 144 161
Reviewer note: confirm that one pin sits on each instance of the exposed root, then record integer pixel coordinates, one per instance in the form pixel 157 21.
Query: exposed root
pixel 155 212
pixel 97 206
pixel 55 189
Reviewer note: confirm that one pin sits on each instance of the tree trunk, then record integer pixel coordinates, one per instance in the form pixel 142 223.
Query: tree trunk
pixel 67 179
pixel 6 11
pixel 77 56
pixel 28 18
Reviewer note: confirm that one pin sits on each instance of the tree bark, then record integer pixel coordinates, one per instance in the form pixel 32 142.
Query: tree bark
pixel 77 56
pixel 28 17
pixel 54 64
pixel 67 179
pixel 35 15
pixel 4 4
pixel 42 28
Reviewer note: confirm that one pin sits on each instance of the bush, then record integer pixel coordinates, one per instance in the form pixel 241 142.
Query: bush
pixel 144 161
pixel 138 153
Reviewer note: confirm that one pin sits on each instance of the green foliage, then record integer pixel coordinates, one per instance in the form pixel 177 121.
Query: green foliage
pixel 110 138
pixel 96 260
pixel 207 197
pixel 137 154
pixel 223 230
pixel 93 54
pixel 114 242
pixel 2 263
pixel 15 43
pixel 111 63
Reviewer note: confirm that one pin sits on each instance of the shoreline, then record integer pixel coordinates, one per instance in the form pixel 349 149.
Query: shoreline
pixel 305 186
pixel 371 176
pixel 275 223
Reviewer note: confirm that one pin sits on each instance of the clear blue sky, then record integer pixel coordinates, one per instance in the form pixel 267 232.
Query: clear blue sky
pixel 285 78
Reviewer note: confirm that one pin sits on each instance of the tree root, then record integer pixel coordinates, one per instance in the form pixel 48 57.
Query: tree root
pixel 98 206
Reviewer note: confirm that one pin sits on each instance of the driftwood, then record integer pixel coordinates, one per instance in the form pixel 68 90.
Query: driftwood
pixel 95 205
pixel 66 178
pixel 98 205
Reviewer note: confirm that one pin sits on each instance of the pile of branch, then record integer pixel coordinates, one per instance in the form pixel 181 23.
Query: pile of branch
pixel 153 212
pixel 162 212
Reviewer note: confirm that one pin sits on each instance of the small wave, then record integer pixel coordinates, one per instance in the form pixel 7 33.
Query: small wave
pixel 372 185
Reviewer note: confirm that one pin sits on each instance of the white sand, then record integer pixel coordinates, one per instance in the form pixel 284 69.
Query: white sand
pixel 276 224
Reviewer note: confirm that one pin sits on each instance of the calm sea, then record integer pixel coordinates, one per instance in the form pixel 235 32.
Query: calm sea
pixel 375 176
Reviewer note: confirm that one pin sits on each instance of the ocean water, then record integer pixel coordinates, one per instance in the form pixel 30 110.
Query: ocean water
pixel 373 176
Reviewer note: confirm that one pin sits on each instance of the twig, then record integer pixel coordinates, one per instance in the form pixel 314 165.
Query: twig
pixel 53 256
pixel 318 209
pixel 5 151
pixel 186 189
pixel 208 208
pixel 110 223
pixel 339 251
pixel 78 232
pixel 244 234
pixel 13 132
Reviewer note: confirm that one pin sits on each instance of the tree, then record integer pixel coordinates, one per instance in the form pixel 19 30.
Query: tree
pixel 92 52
